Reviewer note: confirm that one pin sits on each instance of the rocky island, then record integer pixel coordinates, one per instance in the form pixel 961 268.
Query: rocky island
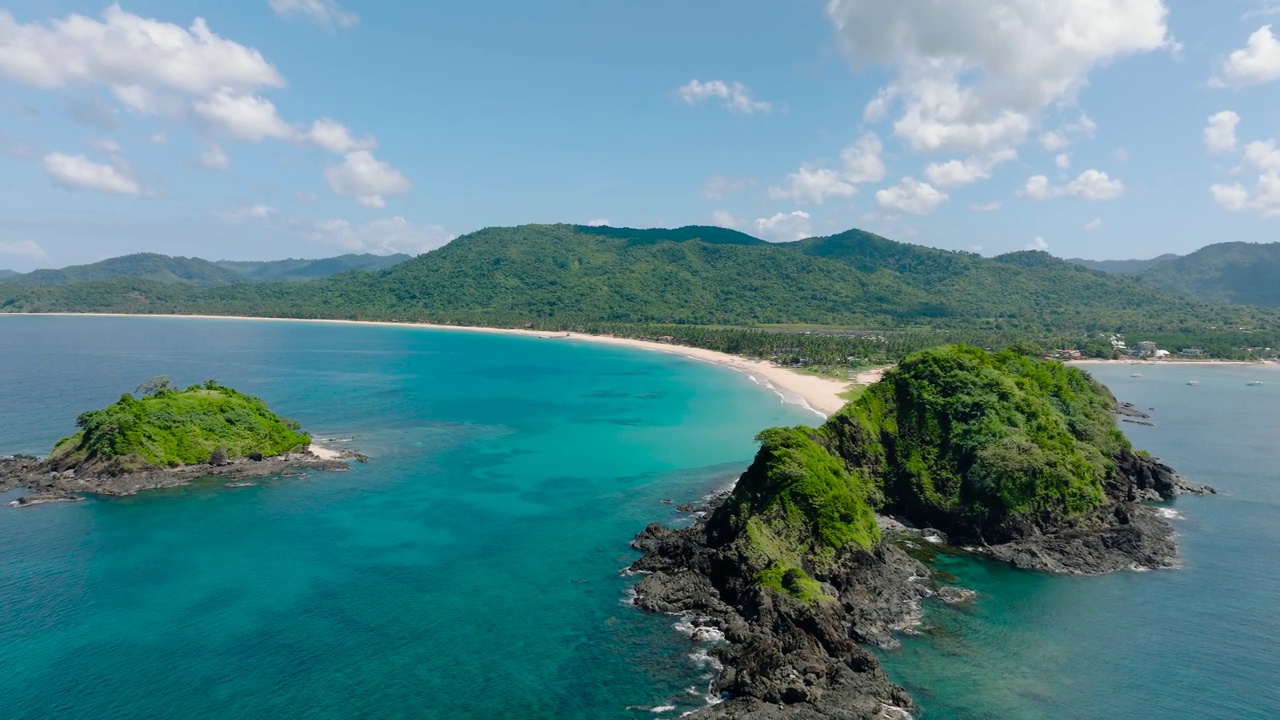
pixel 806 560
pixel 166 437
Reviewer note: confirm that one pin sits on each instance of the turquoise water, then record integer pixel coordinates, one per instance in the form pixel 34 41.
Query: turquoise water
pixel 469 571
pixel 1195 643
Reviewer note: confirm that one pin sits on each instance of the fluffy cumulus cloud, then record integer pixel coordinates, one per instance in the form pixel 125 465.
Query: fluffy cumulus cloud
pixel 1220 132
pixel 1037 244
pixel 811 185
pixel 977 74
pixel 1062 161
pixel 735 96
pixel 1093 224
pixel 781 227
pixel 77 172
pixel 123 50
pixel 367 179
pixel 910 196
pixel 1090 185
pixel 189 74
pixel 325 13
pixel 1068 134
pixel 955 173
pixel 1257 62
pixel 1262 157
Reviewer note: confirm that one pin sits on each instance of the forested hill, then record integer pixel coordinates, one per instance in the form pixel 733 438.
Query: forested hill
pixel 567 275
pixel 195 271
pixel 1118 267
pixel 1238 272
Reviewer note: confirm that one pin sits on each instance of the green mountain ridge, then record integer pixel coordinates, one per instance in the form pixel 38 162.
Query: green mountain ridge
pixel 1237 272
pixel 170 270
pixel 1123 267
pixel 611 279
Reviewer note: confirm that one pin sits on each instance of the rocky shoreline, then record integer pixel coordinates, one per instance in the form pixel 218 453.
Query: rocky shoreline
pixel 783 657
pixel 46 484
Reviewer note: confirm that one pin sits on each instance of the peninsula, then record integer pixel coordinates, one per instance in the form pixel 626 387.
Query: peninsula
pixel 166 437
pixel 807 558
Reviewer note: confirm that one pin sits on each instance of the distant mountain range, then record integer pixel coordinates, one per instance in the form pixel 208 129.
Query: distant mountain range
pixel 707 276
pixel 202 273
pixel 1122 267
pixel 1236 272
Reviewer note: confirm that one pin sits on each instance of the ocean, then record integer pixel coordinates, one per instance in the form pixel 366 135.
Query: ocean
pixel 471 570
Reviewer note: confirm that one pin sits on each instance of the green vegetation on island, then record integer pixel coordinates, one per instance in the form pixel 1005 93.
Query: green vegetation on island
pixel 990 447
pixel 166 427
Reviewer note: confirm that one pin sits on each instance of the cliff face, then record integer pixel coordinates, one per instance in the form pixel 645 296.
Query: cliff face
pixel 1019 457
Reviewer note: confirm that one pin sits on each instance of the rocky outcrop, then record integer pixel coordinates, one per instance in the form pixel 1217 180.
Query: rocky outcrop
pixel 782 656
pixel 46 483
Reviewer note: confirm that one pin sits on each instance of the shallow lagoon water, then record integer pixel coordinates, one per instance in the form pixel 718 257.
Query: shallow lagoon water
pixel 469 571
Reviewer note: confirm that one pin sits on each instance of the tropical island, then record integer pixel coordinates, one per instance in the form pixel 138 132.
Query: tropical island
pixel 811 554
pixel 167 437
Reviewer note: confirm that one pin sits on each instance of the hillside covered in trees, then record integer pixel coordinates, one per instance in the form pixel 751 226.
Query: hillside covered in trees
pixel 714 287
pixel 169 270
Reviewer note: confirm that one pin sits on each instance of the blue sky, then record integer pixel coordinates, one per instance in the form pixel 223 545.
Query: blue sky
pixel 270 128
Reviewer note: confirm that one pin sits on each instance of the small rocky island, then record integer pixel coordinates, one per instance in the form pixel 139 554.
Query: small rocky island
pixel 166 437
pixel 806 560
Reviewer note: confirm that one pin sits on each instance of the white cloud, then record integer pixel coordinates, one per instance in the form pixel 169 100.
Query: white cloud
pixel 1094 185
pixel 862 161
pixel 1263 155
pixel 1090 185
pixel 1220 132
pixel 158 138
pixel 367 179
pixel 1093 224
pixel 214 157
pixel 1037 244
pixel 245 117
pixel 736 96
pixel 955 173
pixel 124 50
pixel 987 207
pixel 325 13
pixel 1063 137
pixel 77 172
pixel 1231 197
pixel 975 74
pixel 383 237
pixel 597 222
pixel 1063 161
pixel 1257 62
pixel 910 196
pixel 24 249
pixel 782 227
pixel 810 186
pixel 306 198
pixel 333 136
pixel 247 213
pixel 1121 155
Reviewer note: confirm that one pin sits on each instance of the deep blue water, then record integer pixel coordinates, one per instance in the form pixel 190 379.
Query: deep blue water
pixel 1195 643
pixel 469 571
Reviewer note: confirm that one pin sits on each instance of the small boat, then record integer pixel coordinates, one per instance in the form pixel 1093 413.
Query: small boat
pixel 1255 383
pixel 1136 375
pixel 1193 382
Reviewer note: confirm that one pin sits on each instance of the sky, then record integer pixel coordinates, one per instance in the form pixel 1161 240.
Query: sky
pixel 263 129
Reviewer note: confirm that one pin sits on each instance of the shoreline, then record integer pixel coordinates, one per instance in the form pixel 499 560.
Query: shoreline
pixel 819 394
pixel 1180 361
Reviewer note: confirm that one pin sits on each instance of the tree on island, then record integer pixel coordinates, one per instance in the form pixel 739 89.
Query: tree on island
pixel 155 386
